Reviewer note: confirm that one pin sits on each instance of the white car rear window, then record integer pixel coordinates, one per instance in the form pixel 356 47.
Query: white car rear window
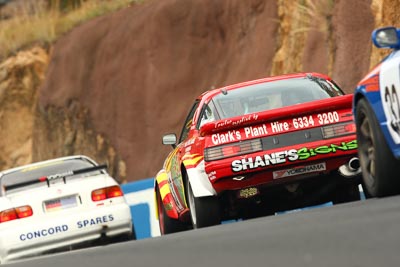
pixel 43 170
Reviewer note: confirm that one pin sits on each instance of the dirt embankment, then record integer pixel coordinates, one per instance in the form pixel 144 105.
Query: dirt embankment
pixel 116 84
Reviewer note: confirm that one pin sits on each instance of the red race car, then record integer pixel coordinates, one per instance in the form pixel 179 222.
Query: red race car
pixel 258 147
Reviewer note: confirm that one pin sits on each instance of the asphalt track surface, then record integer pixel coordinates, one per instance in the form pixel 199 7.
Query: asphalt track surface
pixel 363 233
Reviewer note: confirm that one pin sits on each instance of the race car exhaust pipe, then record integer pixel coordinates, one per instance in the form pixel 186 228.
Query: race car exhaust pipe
pixel 354 164
pixel 351 168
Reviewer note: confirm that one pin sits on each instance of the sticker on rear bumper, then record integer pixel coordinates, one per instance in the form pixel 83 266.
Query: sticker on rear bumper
pixel 95 221
pixel 44 232
pixel 61 203
pixel 50 231
pixel 299 170
pixel 291 155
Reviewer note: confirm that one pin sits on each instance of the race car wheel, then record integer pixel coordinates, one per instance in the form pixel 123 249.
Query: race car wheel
pixel 204 211
pixel 167 225
pixel 346 193
pixel 379 167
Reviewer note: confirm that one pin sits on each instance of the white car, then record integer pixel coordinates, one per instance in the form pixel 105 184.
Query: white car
pixel 58 205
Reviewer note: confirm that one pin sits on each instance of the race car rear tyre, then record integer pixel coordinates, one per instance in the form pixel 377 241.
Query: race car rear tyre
pixel 167 225
pixel 204 211
pixel 379 167
pixel 346 193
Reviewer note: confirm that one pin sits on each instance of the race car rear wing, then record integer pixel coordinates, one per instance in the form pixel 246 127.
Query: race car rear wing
pixel 53 177
pixel 327 104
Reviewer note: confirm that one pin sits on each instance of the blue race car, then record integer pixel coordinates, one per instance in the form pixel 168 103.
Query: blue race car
pixel 377 113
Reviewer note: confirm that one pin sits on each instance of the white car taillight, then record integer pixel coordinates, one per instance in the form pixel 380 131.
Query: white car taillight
pixel 106 192
pixel 15 213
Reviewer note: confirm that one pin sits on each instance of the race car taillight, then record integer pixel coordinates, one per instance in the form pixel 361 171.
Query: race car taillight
pixel 15 213
pixel 24 211
pixel 233 149
pixel 8 215
pixel 106 192
pixel 339 129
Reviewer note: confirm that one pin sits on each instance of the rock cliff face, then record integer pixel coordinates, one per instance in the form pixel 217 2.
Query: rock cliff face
pixel 20 78
pixel 114 85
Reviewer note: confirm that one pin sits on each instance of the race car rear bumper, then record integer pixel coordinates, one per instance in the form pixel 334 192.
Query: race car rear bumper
pixel 30 238
pixel 266 178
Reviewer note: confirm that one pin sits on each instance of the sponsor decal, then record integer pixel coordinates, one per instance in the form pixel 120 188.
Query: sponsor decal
pixel 305 153
pixel 168 206
pixel 212 175
pixel 235 135
pixel 43 232
pixel 328 118
pixel 305 122
pixel 274 127
pixel 278 127
pixel 59 175
pixel 299 170
pixel 265 160
pixel 221 138
pixel 243 119
pixel 220 124
pixel 189 142
pixel 64 228
pixel 42 165
pixel 95 221
pixel 288 155
pixel 61 203
pixel 248 192
pixel 255 131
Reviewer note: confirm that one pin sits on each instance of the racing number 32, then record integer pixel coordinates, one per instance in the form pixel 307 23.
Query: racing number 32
pixel 392 101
